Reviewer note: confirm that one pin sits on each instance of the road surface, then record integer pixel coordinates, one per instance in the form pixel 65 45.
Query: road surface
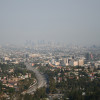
pixel 41 81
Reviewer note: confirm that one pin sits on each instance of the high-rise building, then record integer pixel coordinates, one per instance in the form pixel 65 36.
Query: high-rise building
pixel 80 62
pixel 73 63
pixel 89 56
pixel 65 61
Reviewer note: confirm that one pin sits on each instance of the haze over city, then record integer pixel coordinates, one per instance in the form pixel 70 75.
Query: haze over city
pixel 49 49
pixel 68 21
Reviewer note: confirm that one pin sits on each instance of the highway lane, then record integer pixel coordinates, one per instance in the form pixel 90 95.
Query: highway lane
pixel 41 81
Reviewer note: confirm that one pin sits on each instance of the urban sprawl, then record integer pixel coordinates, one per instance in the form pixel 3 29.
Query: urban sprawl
pixel 60 72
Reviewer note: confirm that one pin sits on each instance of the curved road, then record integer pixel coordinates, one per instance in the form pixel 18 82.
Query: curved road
pixel 41 81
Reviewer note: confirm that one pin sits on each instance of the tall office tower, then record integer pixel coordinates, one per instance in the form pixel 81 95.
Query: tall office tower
pixel 87 56
pixel 91 56
pixel 65 61
pixel 73 63
pixel 80 62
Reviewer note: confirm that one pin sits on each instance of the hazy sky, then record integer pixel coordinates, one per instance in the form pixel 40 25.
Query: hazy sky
pixel 69 21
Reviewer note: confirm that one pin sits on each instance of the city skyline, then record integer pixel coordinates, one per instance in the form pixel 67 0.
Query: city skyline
pixel 70 22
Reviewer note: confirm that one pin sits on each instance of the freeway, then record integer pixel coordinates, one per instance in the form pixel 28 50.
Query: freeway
pixel 41 81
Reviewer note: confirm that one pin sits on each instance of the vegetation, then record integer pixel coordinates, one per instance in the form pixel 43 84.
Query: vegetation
pixel 73 88
pixel 17 71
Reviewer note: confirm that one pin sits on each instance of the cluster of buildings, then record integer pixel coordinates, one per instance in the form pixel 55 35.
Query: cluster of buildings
pixel 12 80
pixel 67 62
pixel 58 57
pixel 75 73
